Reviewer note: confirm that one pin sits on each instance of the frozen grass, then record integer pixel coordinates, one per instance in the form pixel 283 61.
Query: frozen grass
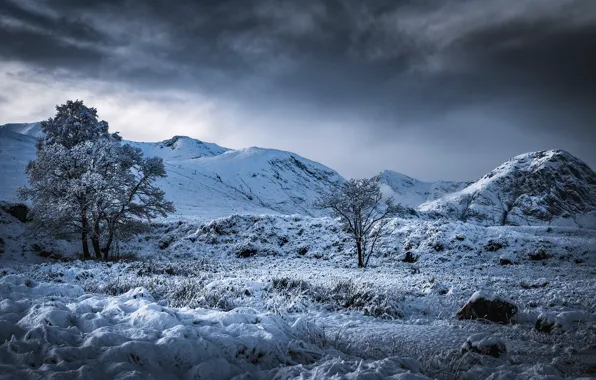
pixel 301 271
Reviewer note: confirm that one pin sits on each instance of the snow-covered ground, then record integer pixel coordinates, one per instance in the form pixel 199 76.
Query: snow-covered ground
pixel 280 297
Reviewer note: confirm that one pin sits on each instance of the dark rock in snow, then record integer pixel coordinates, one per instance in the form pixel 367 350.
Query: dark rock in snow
pixel 165 242
pixel 17 210
pixel 488 307
pixel 244 251
pixel 545 322
pixel 505 261
pixel 539 255
pixel 493 246
pixel 484 344
pixel 409 258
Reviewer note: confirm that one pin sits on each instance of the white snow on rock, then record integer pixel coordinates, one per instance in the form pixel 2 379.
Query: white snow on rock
pixel 485 344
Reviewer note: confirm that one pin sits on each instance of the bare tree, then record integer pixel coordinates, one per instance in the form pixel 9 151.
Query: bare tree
pixel 363 213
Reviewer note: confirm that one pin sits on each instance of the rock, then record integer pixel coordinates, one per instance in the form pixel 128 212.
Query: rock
pixel 537 285
pixel 17 210
pixel 550 322
pixel 538 255
pixel 484 344
pixel 409 258
pixel 244 251
pixel 494 246
pixel 507 259
pixel 545 322
pixel 302 250
pixel 488 307
pixel 165 241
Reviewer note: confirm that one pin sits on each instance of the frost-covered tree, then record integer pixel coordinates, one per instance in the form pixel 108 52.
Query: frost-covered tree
pixel 129 196
pixel 59 176
pixel 363 213
pixel 85 180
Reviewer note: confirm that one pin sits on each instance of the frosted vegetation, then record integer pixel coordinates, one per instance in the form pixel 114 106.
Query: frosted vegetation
pixel 247 279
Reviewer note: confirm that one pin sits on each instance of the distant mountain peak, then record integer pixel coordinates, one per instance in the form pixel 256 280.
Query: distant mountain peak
pixel 411 192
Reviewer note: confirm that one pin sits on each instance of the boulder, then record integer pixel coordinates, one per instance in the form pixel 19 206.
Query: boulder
pixel 17 210
pixel 488 307
pixel 538 255
pixel 545 322
pixel 507 259
pixel 552 322
pixel 484 344
pixel 409 257
pixel 494 245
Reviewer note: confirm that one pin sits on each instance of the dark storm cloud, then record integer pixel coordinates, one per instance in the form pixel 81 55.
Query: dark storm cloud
pixel 395 64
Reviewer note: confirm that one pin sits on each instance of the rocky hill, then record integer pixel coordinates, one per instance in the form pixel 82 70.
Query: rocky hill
pixel 546 187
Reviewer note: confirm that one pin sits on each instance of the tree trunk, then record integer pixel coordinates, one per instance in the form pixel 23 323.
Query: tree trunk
pixel 359 249
pixel 95 240
pixel 86 254
pixel 106 248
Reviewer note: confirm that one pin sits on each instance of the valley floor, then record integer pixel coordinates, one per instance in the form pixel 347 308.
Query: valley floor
pixel 296 307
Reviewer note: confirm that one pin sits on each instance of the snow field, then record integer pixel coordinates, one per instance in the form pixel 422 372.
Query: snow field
pixel 296 277
pixel 59 332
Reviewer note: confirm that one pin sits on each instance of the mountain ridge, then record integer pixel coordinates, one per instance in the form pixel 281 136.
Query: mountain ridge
pixel 206 180
pixel 544 187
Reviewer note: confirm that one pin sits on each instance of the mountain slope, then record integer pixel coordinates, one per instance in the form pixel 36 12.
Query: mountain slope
pixel 252 180
pixel 411 192
pixel 29 129
pixel 15 152
pixel 179 148
pixel 204 179
pixel 547 187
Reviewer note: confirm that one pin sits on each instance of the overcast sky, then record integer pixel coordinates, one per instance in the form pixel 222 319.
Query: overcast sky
pixel 436 89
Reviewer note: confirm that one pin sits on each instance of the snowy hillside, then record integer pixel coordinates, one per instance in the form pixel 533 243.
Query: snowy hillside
pixel 29 129
pixel 179 148
pixel 547 187
pixel 252 180
pixel 204 180
pixel 15 152
pixel 411 192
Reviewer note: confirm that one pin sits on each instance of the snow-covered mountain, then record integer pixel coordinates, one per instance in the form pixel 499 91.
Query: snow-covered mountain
pixel 547 187
pixel 179 148
pixel 29 129
pixel 16 150
pixel 411 192
pixel 204 180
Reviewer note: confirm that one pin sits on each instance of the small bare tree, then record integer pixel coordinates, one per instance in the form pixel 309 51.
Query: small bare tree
pixel 363 213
